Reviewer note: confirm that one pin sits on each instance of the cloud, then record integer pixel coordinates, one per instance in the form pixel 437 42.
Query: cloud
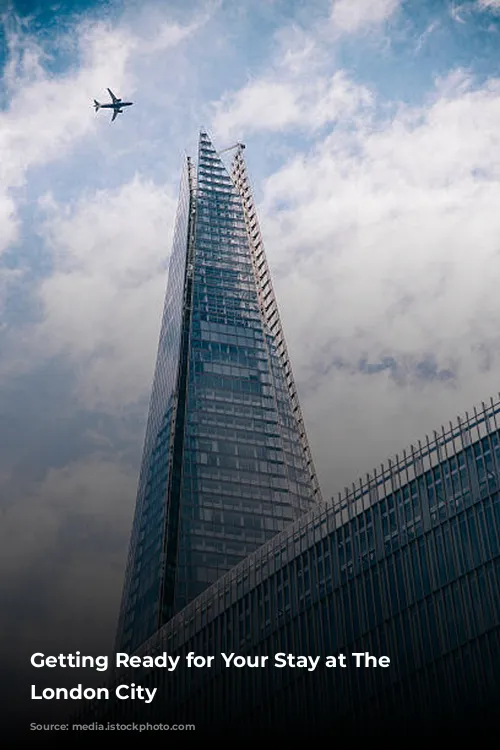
pixel 299 92
pixel 456 12
pixel 48 116
pixel 422 39
pixel 274 106
pixel 90 239
pixel 352 16
pixel 389 237
pixel 491 5
pixel 44 117
pixel 167 34
pixel 8 222
pixel 101 305
pixel 99 309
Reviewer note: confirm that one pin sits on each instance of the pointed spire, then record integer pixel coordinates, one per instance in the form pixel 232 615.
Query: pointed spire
pixel 205 143
pixel 212 172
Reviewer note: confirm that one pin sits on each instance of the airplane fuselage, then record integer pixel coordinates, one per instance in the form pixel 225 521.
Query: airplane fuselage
pixel 117 105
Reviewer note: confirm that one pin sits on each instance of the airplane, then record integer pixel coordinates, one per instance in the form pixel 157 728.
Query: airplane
pixel 116 105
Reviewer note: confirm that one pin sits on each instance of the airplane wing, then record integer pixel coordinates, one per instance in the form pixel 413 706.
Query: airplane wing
pixel 115 112
pixel 113 97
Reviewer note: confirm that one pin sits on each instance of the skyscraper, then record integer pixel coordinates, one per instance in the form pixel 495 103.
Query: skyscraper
pixel 226 462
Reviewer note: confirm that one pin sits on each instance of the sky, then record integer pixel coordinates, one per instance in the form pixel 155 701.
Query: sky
pixel 372 132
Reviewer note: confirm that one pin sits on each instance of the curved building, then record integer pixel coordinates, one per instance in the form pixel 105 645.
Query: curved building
pixel 405 564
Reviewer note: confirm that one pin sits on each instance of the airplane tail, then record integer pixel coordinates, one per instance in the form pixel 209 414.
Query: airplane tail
pixel 96 105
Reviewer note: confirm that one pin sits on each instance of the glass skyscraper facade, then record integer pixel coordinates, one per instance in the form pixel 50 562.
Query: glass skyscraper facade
pixel 226 462
pixel 234 552
pixel 404 564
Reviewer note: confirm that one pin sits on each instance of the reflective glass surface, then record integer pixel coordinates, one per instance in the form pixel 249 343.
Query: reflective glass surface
pixel 244 473
pixel 140 610
pixel 223 467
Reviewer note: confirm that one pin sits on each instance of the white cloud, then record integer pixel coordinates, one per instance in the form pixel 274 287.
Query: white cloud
pixel 492 5
pixel 351 16
pixel 273 104
pixel 460 10
pixel 101 306
pixel 168 34
pixel 48 116
pixel 109 248
pixel 8 221
pixel 422 39
pixel 390 239
pixel 457 10
pixel 302 90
